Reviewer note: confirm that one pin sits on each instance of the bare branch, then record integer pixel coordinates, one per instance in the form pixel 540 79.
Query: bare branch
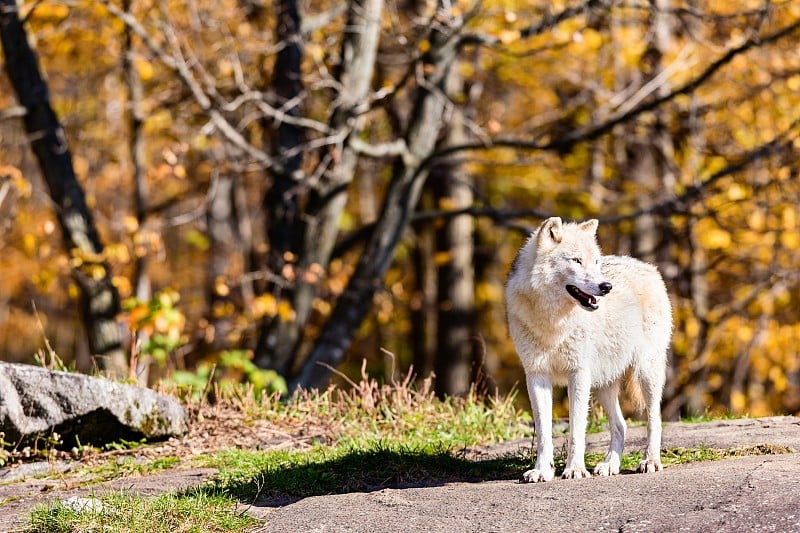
pixel 13 112
pixel 592 132
pixel 177 64
pixel 313 23
pixel 278 115
pixel 390 149
pixel 547 23
pixel 678 204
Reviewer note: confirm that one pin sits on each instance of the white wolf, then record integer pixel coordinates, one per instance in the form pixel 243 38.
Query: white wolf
pixel 565 335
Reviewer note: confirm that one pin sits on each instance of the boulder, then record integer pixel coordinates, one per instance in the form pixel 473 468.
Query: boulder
pixel 36 402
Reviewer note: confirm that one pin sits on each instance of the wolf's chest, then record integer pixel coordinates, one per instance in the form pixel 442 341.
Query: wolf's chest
pixel 551 345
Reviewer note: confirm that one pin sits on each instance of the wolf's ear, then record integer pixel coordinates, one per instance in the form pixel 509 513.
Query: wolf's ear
pixel 551 231
pixel 589 225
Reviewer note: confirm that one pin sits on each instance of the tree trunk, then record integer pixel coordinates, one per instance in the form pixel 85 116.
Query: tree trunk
pixel 456 277
pixel 328 199
pixel 282 201
pixel 651 164
pixel 99 298
pixel 224 240
pixel 141 266
pixel 656 233
pixel 423 313
pixel 408 176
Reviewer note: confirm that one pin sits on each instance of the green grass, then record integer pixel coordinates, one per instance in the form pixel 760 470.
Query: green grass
pixel 370 466
pixel 372 436
pixel 126 466
pixel 674 456
pixel 197 510
pixel 710 417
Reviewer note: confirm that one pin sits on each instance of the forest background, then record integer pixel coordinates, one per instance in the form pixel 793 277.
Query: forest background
pixel 283 189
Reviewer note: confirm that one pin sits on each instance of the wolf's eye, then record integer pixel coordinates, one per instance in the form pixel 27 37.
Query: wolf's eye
pixel 577 260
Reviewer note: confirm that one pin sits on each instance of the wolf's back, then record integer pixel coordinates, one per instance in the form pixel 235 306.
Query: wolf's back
pixel 644 282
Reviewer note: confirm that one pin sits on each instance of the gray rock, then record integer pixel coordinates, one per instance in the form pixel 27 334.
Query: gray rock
pixel 35 402
pixel 32 470
pixel 80 504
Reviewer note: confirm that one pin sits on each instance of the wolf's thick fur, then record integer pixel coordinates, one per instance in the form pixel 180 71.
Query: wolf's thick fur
pixel 585 320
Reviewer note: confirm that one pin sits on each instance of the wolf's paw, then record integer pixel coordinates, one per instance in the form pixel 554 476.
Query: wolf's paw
pixel 535 475
pixel 575 473
pixel 606 468
pixel 647 466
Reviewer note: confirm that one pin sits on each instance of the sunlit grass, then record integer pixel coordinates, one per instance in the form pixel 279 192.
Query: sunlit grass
pixel 282 475
pixel 397 411
pixel 709 416
pixel 197 510
pixel 369 436
pixel 127 466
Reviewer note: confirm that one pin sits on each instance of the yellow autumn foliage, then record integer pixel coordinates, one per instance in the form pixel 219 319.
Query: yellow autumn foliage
pixel 721 186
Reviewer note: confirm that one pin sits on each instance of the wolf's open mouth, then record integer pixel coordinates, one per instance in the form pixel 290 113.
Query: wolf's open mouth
pixel 587 301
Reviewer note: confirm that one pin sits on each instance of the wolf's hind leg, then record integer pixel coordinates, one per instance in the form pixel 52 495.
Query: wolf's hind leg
pixel 609 398
pixel 651 380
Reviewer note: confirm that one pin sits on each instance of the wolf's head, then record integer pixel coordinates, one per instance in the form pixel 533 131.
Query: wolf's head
pixel 567 256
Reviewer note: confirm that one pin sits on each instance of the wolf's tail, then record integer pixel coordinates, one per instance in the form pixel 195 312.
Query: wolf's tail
pixel 634 389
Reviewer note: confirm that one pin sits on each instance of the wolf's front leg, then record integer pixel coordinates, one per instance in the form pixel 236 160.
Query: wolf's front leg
pixel 578 389
pixel 540 391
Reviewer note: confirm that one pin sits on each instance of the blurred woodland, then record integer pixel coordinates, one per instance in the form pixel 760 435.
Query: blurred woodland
pixel 274 192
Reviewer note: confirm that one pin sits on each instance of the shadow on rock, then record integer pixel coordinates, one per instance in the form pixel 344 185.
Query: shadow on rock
pixel 367 471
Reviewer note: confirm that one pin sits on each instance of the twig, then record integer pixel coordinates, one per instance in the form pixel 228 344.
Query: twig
pixel 207 386
pixel 53 356
pixel 592 132
pixel 177 64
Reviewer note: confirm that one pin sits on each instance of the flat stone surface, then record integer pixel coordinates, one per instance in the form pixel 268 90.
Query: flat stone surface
pixel 756 493
pixel 747 494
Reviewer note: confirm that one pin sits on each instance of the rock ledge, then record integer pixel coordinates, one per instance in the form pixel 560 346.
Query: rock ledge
pixel 36 402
